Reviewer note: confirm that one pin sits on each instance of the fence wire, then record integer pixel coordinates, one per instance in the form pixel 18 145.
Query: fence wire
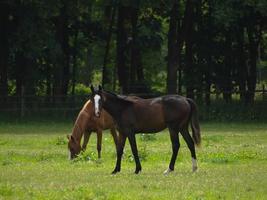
pixel 69 106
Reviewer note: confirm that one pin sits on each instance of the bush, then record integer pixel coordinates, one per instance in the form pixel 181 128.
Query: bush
pixel 81 89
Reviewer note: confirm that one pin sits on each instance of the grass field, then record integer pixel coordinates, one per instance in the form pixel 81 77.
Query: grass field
pixel 232 165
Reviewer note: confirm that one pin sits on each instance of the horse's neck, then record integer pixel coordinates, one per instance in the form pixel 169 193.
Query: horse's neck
pixel 78 128
pixel 88 107
pixel 114 106
pixel 77 132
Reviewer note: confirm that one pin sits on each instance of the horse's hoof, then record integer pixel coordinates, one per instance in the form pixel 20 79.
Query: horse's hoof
pixel 167 171
pixel 138 170
pixel 115 171
pixel 194 164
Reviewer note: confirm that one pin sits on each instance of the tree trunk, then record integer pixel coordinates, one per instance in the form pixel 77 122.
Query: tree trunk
pixel 252 72
pixel 176 36
pixel 134 47
pixel 74 62
pixel 122 69
pixel 172 63
pixel 242 68
pixel 4 48
pixel 19 71
pixel 227 78
pixel 137 79
pixel 62 36
pixel 66 50
pixel 105 75
pixel 179 79
pixel 189 65
pixel 207 88
pixel 209 66
pixel 48 83
pixel 189 71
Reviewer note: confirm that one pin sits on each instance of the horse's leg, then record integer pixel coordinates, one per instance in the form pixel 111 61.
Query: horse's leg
pixel 132 141
pixel 86 137
pixel 114 135
pixel 99 142
pixel 175 148
pixel 190 143
pixel 120 146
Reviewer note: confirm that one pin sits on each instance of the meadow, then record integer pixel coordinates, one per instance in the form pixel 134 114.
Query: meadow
pixel 232 165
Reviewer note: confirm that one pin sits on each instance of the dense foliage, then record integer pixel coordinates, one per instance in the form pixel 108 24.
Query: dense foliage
pixel 196 47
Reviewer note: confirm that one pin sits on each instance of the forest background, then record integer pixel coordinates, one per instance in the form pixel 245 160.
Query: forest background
pixel 212 51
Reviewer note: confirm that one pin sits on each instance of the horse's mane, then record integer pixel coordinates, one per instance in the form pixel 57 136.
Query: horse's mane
pixel 121 97
pixel 86 104
pixel 111 93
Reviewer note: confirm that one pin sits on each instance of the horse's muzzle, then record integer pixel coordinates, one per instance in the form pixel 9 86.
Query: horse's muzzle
pixel 97 114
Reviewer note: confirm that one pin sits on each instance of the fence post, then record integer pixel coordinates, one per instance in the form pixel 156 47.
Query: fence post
pixel 22 103
pixel 264 95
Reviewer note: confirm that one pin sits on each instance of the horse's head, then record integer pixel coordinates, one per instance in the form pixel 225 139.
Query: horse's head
pixel 97 99
pixel 73 146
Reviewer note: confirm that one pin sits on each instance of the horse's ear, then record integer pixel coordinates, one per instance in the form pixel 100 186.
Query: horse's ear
pixel 99 87
pixel 72 138
pixel 92 89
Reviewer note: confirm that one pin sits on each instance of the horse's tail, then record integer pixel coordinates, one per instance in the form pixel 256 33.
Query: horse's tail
pixel 194 122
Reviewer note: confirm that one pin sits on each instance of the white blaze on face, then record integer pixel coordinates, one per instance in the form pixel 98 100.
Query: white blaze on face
pixel 96 99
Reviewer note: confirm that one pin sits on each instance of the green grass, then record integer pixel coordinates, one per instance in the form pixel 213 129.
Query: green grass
pixel 232 165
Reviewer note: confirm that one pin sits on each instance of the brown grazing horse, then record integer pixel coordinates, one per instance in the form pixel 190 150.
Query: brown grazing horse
pixel 149 116
pixel 85 124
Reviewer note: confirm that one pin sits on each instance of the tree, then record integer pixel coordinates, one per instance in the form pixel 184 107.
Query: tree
pixel 122 49
pixel 174 43
pixel 111 12
pixel 207 46
pixel 62 73
pixel 4 46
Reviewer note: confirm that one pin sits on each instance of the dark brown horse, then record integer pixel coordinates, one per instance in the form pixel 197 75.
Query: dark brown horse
pixel 149 116
pixel 85 124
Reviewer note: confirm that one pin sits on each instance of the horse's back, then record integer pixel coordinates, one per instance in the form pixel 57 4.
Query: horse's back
pixel 148 116
pixel 162 111
pixel 176 109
